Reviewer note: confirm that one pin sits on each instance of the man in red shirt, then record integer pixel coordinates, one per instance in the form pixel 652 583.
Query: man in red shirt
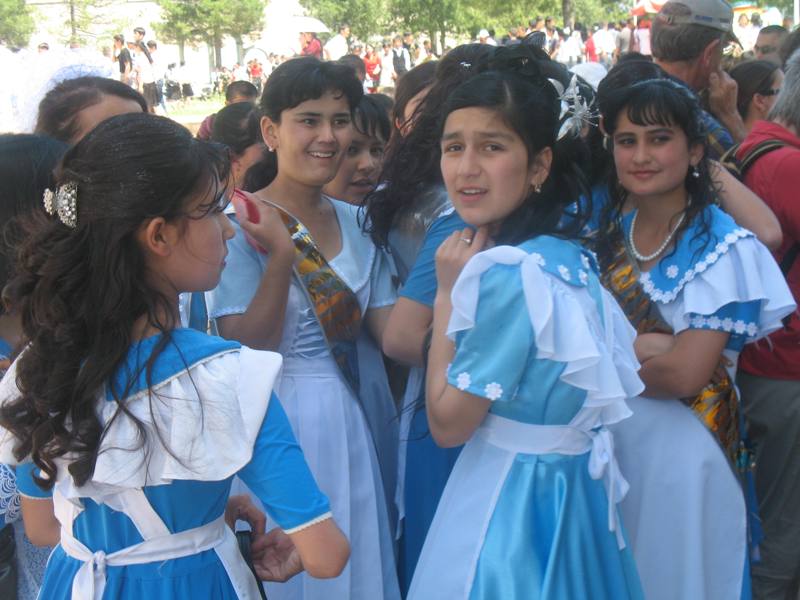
pixel 769 371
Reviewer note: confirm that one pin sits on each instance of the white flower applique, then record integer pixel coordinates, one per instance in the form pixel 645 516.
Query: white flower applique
pixel 538 259
pixel 585 261
pixel 739 327
pixel 463 380
pixel 583 276
pixel 672 271
pixel 564 272
pixel 493 391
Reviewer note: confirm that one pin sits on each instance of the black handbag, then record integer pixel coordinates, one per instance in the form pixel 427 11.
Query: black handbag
pixel 8 565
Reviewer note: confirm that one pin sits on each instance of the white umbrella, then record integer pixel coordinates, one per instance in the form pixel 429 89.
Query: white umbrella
pixel 308 24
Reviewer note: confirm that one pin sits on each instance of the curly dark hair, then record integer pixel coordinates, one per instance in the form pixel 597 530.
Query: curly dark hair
pixel 412 162
pixel 658 101
pixel 81 290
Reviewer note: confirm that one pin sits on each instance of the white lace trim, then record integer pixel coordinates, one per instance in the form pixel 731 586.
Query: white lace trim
pixel 658 295
pixel 306 525
pixel 738 327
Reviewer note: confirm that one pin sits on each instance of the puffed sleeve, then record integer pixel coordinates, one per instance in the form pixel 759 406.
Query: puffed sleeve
pixel 736 318
pixel 27 486
pixel 240 278
pixel 491 356
pixel 279 475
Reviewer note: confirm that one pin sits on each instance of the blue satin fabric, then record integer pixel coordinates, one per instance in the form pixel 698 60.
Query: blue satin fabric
pixel 548 537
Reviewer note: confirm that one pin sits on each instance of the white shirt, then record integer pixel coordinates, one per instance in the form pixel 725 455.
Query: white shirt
pixel 336 47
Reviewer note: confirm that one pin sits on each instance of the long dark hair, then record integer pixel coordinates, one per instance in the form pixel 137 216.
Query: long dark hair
pixel 27 163
pixel 60 107
pixel 238 126
pixel 656 102
pixel 291 84
pixel 526 101
pixel 82 289
pixel 408 86
pixel 412 162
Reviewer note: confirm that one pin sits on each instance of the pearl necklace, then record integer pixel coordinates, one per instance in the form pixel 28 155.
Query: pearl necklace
pixel 646 258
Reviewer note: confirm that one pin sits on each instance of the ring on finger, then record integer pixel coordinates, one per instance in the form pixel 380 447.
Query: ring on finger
pixel 467 241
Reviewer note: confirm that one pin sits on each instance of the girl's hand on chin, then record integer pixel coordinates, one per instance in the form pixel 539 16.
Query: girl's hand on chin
pixel 263 224
pixel 455 252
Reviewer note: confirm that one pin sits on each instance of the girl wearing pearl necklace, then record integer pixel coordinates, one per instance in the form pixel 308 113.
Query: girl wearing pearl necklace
pixel 697 287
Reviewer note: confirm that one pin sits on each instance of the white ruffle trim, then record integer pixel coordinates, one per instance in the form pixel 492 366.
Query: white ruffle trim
pixel 745 272
pixel 208 418
pixel 602 364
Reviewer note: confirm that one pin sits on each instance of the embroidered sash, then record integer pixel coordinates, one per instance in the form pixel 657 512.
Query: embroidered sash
pixel 335 304
pixel 717 404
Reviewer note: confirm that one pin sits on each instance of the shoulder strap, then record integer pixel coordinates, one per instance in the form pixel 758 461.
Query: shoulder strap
pixel 757 152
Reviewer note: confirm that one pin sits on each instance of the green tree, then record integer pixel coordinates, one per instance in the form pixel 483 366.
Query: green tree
pixel 179 24
pixel 365 17
pixel 189 21
pixel 16 22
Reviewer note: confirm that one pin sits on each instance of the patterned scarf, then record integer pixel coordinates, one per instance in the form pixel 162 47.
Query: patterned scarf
pixel 717 404
pixel 335 304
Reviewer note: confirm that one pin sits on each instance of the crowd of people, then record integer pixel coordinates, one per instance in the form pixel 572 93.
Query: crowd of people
pixel 509 332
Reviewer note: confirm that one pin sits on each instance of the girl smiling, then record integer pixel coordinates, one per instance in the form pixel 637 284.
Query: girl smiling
pixel 697 287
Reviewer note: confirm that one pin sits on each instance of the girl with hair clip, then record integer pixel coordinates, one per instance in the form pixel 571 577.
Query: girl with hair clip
pixel 302 278
pixel 697 287
pixel 425 465
pixel 530 361
pixel 127 429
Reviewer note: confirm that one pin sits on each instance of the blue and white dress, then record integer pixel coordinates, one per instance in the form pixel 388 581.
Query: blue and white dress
pixel 529 511
pixel 685 513
pixel 331 425
pixel 149 523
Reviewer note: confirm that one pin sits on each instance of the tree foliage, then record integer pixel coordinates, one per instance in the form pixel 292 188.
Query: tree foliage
pixel 16 23
pixel 460 18
pixel 188 21
pixel 365 17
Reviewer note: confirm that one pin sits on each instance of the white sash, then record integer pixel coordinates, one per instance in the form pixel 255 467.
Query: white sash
pixel 525 438
pixel 158 545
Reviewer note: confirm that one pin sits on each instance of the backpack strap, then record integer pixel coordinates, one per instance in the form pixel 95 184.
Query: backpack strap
pixel 757 152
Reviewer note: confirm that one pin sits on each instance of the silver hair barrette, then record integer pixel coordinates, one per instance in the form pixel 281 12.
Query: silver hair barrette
pixel 574 107
pixel 63 202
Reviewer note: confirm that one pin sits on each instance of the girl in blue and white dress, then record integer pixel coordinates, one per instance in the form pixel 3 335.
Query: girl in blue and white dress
pixel 697 287
pixel 307 282
pixel 128 430
pixel 530 361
